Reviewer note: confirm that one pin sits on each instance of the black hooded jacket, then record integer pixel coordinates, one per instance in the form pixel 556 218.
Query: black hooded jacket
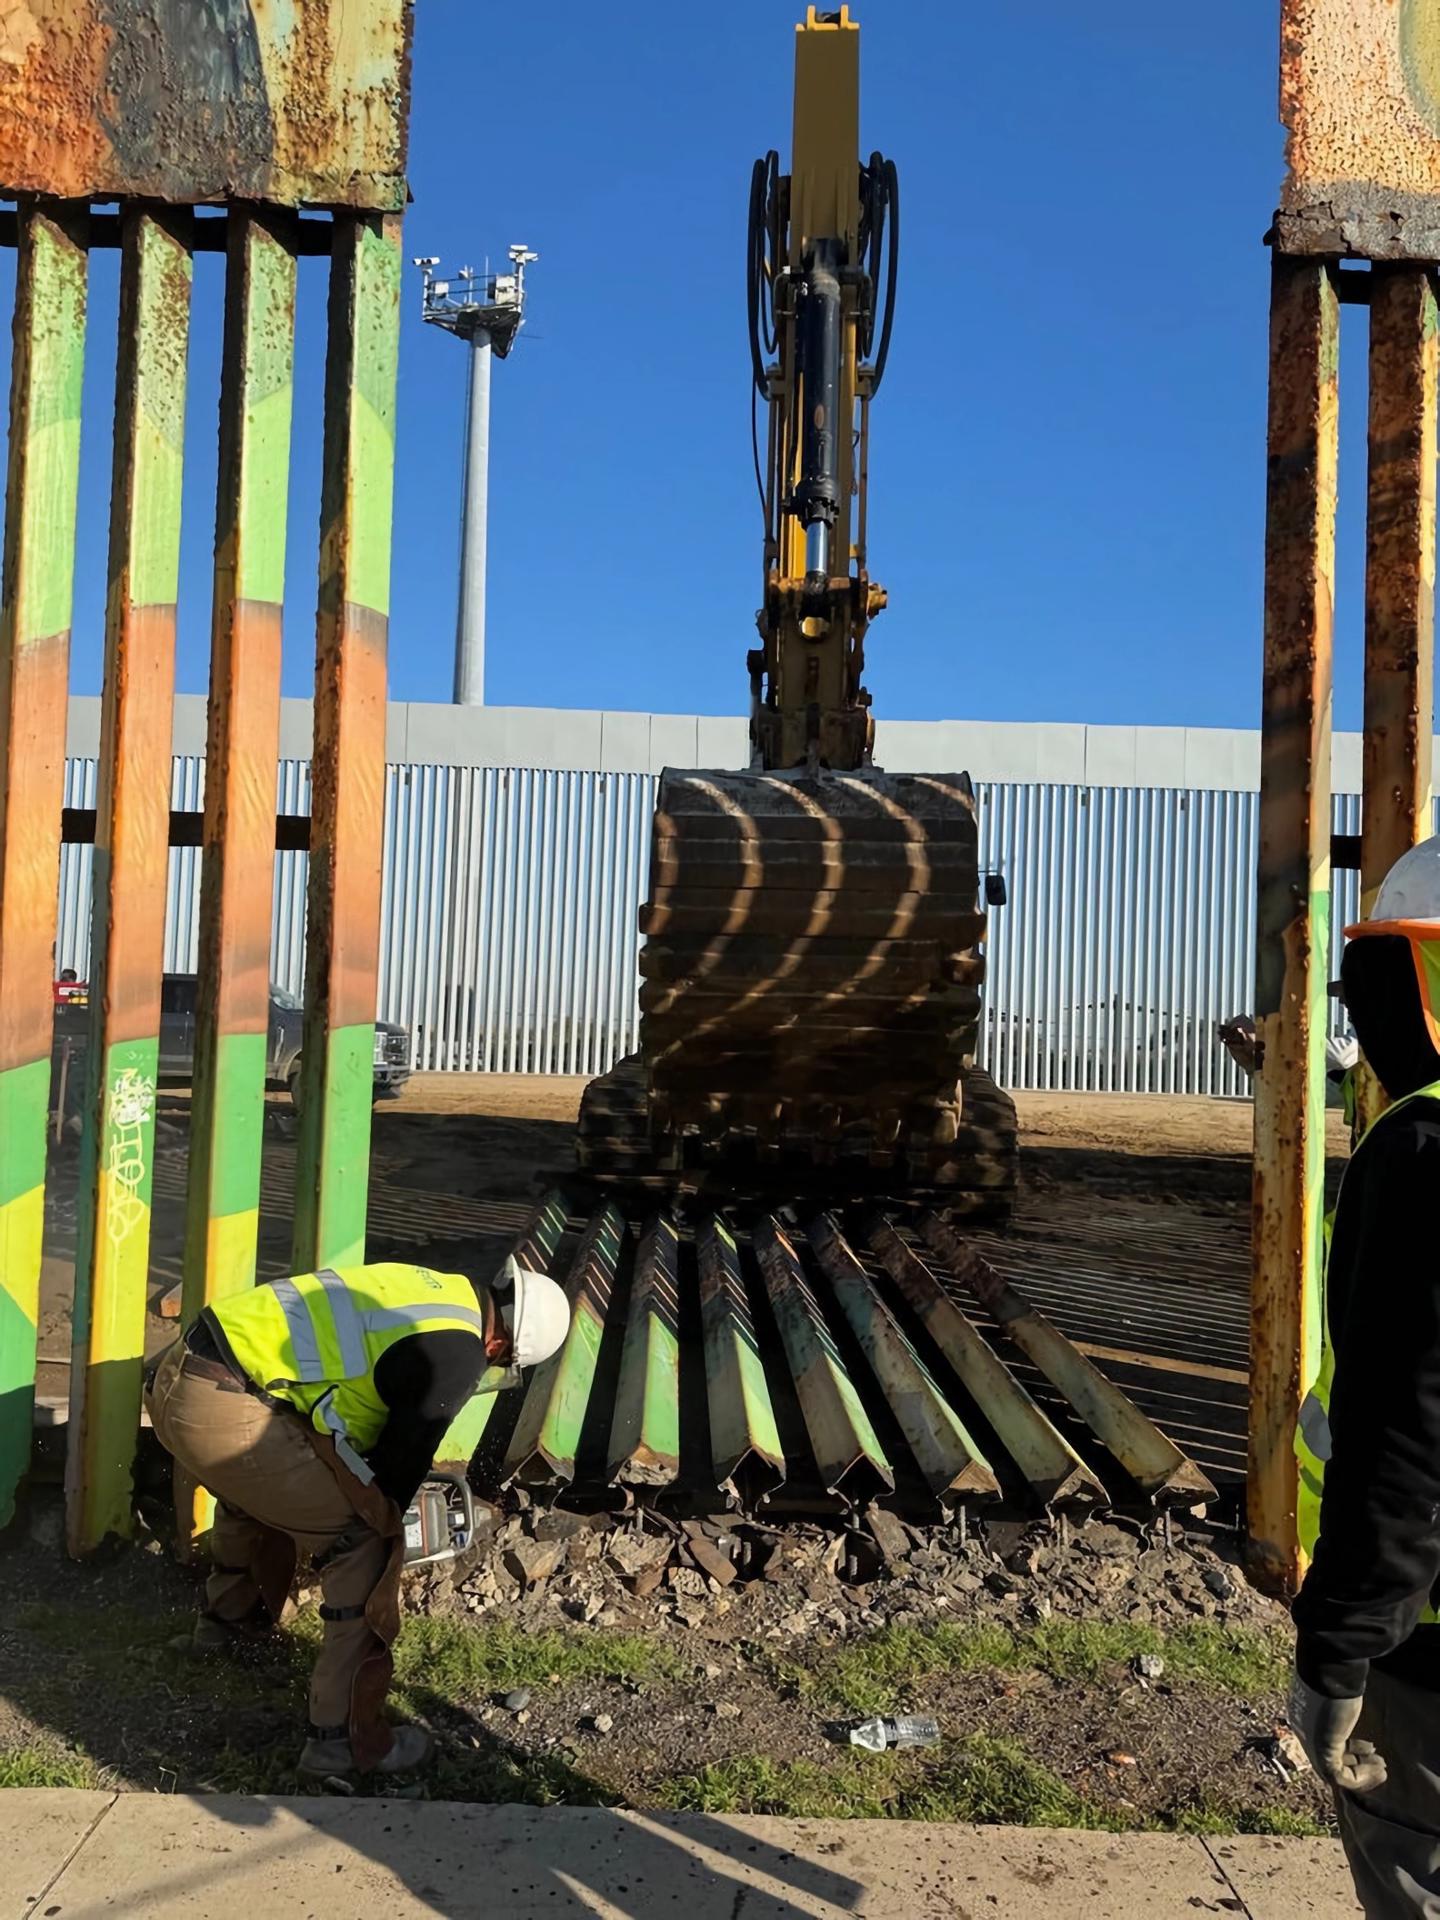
pixel 1377 1562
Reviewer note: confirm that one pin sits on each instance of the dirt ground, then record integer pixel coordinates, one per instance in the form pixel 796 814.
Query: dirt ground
pixel 487 1142
pixel 1132 1231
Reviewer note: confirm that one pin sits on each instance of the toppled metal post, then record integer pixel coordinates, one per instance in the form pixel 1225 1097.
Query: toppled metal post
pixel 848 1453
pixel 1152 1460
pixel 745 1444
pixel 1056 1474
pixel 546 1439
pixel 645 1433
pixel 951 1463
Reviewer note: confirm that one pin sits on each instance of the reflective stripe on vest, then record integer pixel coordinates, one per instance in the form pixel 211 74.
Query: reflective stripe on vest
pixel 1312 1433
pixel 315 1340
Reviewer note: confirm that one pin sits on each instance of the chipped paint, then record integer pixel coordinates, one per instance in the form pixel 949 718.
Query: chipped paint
pixel 1360 97
pixel 295 104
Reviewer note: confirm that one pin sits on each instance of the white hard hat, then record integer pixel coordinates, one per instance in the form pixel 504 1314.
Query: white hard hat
pixel 1411 890
pixel 535 1313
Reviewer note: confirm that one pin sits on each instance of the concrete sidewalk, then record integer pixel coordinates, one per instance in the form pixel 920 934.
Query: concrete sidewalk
pixel 80 1856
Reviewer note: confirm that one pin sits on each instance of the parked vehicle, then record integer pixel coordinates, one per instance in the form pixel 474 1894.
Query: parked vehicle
pixel 286 1035
pixel 287 1020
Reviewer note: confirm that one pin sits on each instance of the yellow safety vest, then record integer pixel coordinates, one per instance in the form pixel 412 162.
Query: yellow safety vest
pixel 1312 1434
pixel 314 1341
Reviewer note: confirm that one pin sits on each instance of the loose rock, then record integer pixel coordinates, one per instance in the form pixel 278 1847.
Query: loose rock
pixel 531 1561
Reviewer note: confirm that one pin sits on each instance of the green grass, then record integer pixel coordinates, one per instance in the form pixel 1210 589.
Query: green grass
pixel 994 1782
pixel 1213 1817
pixel 878 1673
pixel 980 1780
pixel 41 1765
pixel 458 1663
pixel 445 1660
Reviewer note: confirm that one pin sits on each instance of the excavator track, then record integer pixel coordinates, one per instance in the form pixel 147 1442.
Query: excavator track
pixel 810 997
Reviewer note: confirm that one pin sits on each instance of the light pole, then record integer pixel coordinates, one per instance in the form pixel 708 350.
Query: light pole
pixel 486 310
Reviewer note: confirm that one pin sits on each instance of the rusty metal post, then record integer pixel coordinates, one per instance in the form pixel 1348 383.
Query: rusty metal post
pixel 1399 569
pixel 1399 588
pixel 131 866
pixel 45 382
pixel 232 1001
pixel 348 765
pixel 1292 945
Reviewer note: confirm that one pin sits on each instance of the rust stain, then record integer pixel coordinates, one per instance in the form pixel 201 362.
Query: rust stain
pixel 244 806
pixel 168 100
pixel 133 827
pixel 350 757
pixel 1293 885
pixel 37 697
pixel 1400 569
pixel 1358 96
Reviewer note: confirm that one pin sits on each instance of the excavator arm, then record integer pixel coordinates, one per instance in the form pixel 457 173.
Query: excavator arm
pixel 810 993
pixel 820 284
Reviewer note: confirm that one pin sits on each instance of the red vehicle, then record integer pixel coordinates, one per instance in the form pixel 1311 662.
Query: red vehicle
pixel 70 992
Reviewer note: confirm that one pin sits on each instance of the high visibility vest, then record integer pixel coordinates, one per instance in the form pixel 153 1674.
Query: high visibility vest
pixel 314 1341
pixel 1312 1434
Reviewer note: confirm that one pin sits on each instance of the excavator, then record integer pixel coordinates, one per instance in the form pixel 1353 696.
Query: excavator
pixel 812 968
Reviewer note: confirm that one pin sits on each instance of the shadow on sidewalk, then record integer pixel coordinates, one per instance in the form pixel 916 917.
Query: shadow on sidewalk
pixel 88 1659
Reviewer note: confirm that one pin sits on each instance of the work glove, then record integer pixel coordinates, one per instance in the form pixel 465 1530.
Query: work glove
pixel 1323 1727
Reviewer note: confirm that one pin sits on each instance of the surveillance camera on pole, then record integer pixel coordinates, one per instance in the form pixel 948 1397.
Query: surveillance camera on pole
pixel 487 311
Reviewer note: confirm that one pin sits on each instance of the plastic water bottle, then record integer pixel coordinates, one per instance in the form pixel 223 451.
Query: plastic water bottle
pixel 907 1730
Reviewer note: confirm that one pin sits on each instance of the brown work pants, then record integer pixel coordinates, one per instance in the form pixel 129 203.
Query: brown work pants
pixel 1392 1836
pixel 266 1475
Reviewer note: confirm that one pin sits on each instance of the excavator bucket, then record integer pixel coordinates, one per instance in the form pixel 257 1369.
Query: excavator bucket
pixel 810 994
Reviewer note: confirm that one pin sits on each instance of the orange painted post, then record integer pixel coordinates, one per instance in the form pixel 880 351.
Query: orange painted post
pixel 232 1001
pixel 45 382
pixel 131 867
pixel 348 764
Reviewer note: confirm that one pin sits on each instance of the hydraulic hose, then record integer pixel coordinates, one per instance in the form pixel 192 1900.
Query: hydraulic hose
pixel 880 236
pixel 760 255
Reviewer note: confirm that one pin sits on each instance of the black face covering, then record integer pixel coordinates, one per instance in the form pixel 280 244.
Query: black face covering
pixel 1386 1011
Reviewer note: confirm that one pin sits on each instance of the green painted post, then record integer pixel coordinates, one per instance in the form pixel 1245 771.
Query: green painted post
pixel 536 1249
pixel 232 1002
pixel 348 764
pixel 546 1439
pixel 47 371
pixel 131 868
pixel 645 1430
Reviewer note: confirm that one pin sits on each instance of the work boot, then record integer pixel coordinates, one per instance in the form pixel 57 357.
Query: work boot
pixel 410 1749
pixel 211 1635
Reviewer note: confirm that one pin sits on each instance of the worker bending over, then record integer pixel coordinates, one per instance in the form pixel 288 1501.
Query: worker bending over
pixel 1366 1701
pixel 312 1409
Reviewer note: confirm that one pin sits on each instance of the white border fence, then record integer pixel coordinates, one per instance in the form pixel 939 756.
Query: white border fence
pixel 508 937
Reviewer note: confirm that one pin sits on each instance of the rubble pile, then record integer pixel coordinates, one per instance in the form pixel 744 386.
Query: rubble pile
pixel 727 1577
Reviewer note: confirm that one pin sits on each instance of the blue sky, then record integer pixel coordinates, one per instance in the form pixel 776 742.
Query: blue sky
pixel 1067 461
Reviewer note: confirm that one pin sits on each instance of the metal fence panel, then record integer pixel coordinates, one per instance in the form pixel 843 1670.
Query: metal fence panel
pixel 509 900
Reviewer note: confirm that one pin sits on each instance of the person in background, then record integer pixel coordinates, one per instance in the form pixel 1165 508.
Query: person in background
pixel 1342 1054
pixel 1366 1696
